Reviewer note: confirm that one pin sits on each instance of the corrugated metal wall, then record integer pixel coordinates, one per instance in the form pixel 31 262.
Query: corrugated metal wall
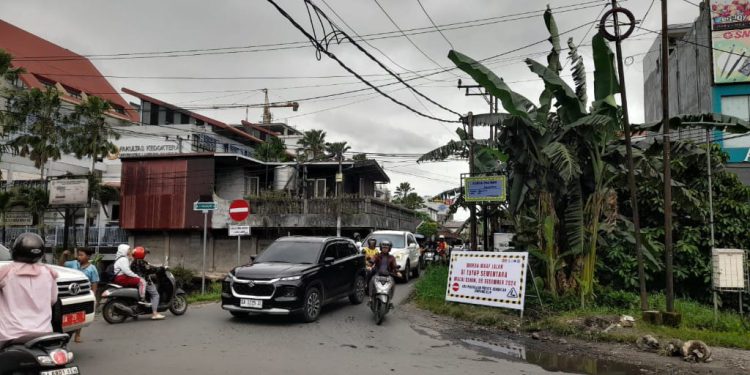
pixel 158 194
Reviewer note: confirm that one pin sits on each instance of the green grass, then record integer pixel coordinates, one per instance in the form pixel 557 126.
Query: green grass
pixel 697 319
pixel 430 295
pixel 697 324
pixel 213 294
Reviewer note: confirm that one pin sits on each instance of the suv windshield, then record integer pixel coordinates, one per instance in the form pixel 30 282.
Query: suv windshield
pixel 4 254
pixel 396 239
pixel 290 252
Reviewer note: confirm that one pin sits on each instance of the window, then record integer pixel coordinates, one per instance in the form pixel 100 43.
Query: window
pixel 252 186
pixel 199 122
pixel 737 106
pixel 73 92
pixel 118 108
pixel 115 214
pixel 331 251
pixel 351 249
pixel 169 117
pixel 184 119
pixel 154 118
pixel 410 239
pixel 320 188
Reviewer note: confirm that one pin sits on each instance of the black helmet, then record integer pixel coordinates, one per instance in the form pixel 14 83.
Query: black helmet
pixel 28 248
pixel 386 243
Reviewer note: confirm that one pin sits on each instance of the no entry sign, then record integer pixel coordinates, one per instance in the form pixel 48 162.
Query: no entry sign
pixel 239 210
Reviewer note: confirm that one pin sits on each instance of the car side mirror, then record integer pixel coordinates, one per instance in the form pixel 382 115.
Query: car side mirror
pixel 359 245
pixel 328 261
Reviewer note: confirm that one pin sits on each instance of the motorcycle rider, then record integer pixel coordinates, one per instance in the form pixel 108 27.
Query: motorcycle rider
pixel 141 267
pixel 383 264
pixel 124 276
pixel 370 250
pixel 28 289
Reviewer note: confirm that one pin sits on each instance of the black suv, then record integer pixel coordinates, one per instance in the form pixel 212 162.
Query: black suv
pixel 296 275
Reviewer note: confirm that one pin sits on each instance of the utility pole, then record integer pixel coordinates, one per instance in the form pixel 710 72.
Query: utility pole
pixel 94 154
pixel 667 168
pixel 473 207
pixel 628 144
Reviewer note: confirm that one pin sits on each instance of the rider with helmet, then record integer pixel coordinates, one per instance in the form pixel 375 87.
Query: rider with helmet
pixel 383 263
pixel 28 289
pixel 144 270
pixel 124 275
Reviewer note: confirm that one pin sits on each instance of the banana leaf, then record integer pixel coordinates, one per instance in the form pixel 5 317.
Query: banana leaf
pixel 706 120
pixel 605 76
pixel 579 71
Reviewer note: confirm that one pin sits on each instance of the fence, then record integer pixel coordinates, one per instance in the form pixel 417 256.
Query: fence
pixel 98 237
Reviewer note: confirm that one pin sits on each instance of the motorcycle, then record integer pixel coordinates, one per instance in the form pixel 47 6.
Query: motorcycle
pixel 430 256
pixel 380 302
pixel 122 303
pixel 40 353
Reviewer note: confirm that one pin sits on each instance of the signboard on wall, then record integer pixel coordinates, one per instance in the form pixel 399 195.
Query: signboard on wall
pixel 485 189
pixel 731 56
pixel 730 14
pixel 17 218
pixel 491 279
pixel 69 192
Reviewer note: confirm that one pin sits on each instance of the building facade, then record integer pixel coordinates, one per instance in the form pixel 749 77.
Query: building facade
pixel 709 71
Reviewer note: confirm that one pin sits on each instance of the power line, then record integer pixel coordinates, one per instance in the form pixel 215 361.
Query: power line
pixel 305 44
pixel 434 25
pixel 407 36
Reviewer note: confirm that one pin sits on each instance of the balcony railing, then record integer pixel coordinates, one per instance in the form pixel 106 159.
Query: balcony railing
pixel 318 212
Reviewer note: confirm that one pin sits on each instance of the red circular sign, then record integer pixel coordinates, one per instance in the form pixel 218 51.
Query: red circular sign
pixel 455 287
pixel 239 210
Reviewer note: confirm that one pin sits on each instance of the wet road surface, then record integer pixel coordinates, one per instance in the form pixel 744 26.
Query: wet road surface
pixel 207 340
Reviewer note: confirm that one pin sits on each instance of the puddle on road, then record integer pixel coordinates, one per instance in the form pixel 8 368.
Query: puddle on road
pixel 554 361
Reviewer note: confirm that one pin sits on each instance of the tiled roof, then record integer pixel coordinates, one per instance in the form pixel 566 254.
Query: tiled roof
pixel 45 61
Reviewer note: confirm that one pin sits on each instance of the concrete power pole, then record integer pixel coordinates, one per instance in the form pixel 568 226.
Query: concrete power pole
pixel 667 168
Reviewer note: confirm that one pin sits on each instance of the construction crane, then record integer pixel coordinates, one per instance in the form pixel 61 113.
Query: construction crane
pixel 267 108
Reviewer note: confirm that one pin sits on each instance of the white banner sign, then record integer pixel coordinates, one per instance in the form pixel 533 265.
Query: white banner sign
pixel 68 192
pixel 239 230
pixel 486 278
pixel 17 218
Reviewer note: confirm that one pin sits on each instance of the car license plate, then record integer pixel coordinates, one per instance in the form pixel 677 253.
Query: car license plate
pixel 62 371
pixel 251 303
pixel 73 319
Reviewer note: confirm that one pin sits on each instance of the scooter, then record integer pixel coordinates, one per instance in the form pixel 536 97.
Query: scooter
pixel 430 256
pixel 40 353
pixel 382 295
pixel 122 303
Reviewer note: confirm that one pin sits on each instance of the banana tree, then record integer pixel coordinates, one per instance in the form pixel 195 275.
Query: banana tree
pixel 555 156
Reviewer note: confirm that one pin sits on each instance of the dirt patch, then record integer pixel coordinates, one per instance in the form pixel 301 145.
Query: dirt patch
pixel 557 353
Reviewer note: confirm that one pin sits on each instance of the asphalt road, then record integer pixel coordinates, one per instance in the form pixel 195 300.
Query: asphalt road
pixel 207 340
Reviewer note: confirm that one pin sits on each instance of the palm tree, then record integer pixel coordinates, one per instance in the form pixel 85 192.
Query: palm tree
pixel 271 150
pixel 403 190
pixel 37 117
pixel 313 142
pixel 90 137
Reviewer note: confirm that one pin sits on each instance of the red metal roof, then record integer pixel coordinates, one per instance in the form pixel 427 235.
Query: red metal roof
pixel 40 57
pixel 215 123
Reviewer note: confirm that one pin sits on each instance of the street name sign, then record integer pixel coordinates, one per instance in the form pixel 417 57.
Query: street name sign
pixel 204 206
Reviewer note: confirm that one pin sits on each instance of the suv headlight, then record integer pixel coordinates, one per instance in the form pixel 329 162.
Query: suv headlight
pixel 291 278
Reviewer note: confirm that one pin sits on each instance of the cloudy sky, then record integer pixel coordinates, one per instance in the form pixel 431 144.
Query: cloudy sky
pixel 239 47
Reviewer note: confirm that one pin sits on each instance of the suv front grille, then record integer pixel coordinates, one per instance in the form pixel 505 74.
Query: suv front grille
pixel 64 288
pixel 260 290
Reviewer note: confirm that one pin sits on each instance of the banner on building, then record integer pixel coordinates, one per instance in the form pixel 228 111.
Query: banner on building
pixel 730 14
pixel 731 56
pixel 486 278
